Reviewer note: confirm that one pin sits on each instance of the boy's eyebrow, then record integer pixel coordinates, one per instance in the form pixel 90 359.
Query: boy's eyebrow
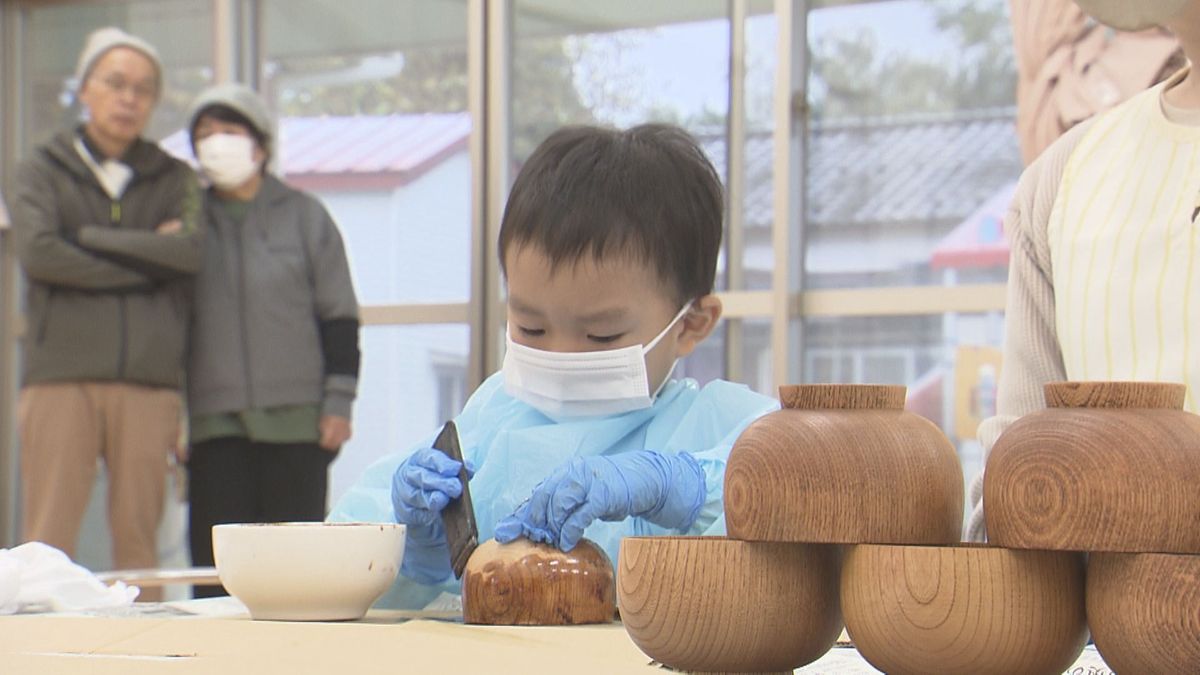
pixel 605 315
pixel 611 314
pixel 522 307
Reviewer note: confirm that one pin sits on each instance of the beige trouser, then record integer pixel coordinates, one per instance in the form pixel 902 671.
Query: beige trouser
pixel 65 428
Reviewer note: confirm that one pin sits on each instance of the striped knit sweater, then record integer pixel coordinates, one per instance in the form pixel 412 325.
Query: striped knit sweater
pixel 1104 281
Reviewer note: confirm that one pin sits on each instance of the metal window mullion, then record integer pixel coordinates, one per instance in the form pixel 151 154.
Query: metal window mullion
pixel 11 119
pixel 224 43
pixel 497 128
pixel 788 179
pixel 735 188
pixel 902 300
pixel 237 40
pixel 477 18
pixel 416 314
pixel 249 54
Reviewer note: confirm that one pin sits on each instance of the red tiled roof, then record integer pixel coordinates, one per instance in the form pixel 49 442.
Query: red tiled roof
pixel 978 241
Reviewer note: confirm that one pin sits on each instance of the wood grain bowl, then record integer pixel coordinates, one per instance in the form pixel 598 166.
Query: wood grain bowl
pixel 1144 611
pixel 1107 466
pixel 925 610
pixel 529 584
pixel 713 604
pixel 844 464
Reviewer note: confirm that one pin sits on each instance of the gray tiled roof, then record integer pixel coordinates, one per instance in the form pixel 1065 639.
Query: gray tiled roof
pixel 933 169
pixel 918 169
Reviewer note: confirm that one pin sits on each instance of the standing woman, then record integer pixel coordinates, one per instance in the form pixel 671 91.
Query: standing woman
pixel 274 358
pixel 1105 231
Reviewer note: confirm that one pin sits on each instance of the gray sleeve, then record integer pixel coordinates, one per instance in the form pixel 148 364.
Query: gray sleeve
pixel 44 254
pixel 333 288
pixel 161 256
pixel 1032 355
pixel 336 304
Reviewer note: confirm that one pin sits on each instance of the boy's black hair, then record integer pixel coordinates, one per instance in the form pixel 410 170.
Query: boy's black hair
pixel 229 115
pixel 648 192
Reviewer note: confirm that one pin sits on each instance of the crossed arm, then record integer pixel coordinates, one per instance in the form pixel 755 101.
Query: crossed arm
pixel 102 258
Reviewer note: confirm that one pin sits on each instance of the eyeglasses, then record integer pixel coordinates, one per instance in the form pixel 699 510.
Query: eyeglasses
pixel 119 85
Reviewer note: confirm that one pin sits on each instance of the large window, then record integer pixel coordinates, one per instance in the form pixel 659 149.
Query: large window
pixel 912 153
pixel 911 160
pixel 867 149
pixel 371 98
pixel 412 377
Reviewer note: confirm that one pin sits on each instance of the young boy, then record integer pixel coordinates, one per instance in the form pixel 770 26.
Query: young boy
pixel 609 247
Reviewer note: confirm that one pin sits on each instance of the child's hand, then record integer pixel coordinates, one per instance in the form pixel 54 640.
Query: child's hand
pixel 665 489
pixel 421 487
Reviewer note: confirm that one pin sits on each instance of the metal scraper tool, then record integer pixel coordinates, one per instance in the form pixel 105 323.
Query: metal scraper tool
pixel 458 517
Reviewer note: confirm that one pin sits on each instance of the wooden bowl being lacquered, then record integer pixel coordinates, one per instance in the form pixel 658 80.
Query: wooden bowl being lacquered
pixel 523 583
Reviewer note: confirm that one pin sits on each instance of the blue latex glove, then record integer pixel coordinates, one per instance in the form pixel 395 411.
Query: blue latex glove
pixel 421 487
pixel 665 489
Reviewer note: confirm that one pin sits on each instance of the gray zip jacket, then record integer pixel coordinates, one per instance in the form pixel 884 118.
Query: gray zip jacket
pixel 275 315
pixel 107 296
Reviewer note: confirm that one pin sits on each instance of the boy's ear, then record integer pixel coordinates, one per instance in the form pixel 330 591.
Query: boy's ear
pixel 699 323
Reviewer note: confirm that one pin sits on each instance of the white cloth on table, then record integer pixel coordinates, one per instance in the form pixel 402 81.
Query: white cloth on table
pixel 35 577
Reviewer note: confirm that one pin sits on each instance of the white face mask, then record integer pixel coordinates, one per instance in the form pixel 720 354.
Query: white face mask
pixel 583 384
pixel 227 159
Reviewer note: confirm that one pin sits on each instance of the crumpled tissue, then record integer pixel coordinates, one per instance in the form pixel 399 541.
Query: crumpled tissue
pixel 35 577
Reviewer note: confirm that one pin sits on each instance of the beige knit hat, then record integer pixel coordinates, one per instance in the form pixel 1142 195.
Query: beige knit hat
pixel 103 39
pixel 1132 14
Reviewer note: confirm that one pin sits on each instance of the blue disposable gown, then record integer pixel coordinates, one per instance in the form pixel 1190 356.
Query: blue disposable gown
pixel 513 447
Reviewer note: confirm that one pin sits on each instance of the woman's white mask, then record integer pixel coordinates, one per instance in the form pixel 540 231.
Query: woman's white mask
pixel 227 160
pixel 583 384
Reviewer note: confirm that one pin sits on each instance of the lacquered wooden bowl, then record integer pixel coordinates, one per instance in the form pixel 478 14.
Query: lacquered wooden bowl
pixel 844 464
pixel 1107 466
pixel 967 608
pixel 528 584
pixel 712 604
pixel 1144 611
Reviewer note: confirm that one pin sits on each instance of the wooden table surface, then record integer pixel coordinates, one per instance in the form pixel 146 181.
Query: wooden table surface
pixel 216 638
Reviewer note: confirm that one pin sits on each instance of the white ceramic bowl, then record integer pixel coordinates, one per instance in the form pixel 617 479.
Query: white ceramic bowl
pixel 308 571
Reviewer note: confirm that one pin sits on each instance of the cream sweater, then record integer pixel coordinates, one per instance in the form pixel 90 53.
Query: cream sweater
pixel 1104 279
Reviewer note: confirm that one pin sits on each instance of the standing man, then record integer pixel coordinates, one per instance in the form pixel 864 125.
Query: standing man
pixel 106 231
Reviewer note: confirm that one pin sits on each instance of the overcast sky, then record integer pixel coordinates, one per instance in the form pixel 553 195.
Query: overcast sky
pixel 685 66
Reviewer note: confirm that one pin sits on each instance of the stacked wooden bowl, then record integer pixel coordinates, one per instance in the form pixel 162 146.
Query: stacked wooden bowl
pixel 712 604
pixel 1112 468
pixel 844 464
pixel 837 464
pixel 964 608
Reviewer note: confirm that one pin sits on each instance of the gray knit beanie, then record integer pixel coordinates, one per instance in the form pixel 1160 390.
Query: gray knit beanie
pixel 103 39
pixel 237 97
